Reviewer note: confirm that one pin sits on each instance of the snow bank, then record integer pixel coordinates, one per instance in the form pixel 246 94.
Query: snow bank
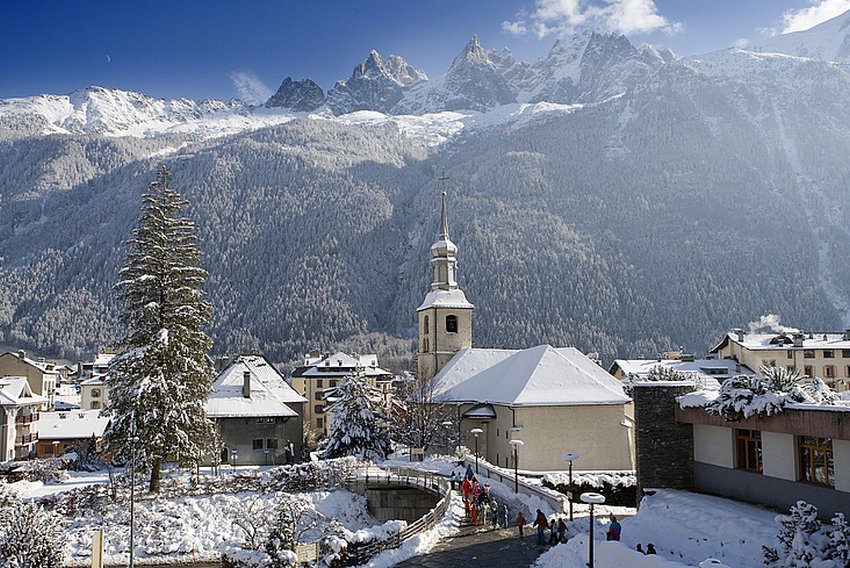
pixel 574 554
pixel 593 478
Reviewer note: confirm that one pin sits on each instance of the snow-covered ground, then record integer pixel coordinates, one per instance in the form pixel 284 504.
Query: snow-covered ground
pixel 686 529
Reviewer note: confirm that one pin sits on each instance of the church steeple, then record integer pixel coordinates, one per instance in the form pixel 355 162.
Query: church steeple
pixel 444 256
pixel 445 316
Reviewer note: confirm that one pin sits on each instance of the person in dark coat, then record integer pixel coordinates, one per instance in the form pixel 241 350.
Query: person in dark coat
pixel 639 548
pixel 650 549
pixel 542 524
pixel 614 529
pixel 469 473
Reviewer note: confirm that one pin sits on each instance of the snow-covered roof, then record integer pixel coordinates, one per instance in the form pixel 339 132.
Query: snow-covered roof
pixel 103 359
pixel 269 393
pixel 342 364
pixel 95 380
pixel 43 366
pixel 539 376
pixel 71 425
pixel 445 299
pixel 16 391
pixel 785 341
pixel 717 368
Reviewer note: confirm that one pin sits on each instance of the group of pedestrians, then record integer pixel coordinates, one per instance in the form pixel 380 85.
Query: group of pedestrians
pixel 478 503
pixel 557 528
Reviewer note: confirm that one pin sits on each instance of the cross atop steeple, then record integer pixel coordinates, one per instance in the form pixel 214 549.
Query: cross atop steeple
pixel 444 222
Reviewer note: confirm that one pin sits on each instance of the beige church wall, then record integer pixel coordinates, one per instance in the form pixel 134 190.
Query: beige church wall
pixel 599 434
pixel 441 343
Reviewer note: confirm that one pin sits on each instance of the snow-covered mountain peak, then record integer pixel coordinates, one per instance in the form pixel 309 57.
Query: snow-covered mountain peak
pixel 374 85
pixel 829 40
pixel 402 72
pixel 299 96
pixel 472 53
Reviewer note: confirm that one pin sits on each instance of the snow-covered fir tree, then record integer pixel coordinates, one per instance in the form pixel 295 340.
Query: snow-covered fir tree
pixel 159 383
pixel 30 537
pixel 357 425
pixel 280 542
pixel 804 542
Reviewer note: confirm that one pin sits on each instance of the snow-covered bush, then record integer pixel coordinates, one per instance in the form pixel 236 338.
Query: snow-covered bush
pixel 45 470
pixel 280 542
pixel 767 394
pixel 657 373
pixel 30 537
pixel 805 543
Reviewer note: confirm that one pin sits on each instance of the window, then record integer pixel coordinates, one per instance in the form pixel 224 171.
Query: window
pixel 425 345
pixel 451 324
pixel 808 354
pixel 95 393
pixel 271 443
pixel 808 371
pixel 270 420
pixel 320 383
pixel 768 362
pixel 47 448
pixel 425 326
pixel 319 395
pixel 95 404
pixel 748 450
pixel 829 371
pixel 332 383
pixel 828 354
pixel 847 371
pixel 845 353
pixel 816 464
pixel 258 443
pixel 497 434
pixel 318 409
pixel 320 422
pixel 789 354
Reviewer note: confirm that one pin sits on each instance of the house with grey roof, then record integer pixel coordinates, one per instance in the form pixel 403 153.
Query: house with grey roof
pixel 257 413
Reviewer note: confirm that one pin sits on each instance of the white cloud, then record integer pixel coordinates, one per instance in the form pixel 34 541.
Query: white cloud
pixel 250 88
pixel 820 11
pixel 622 16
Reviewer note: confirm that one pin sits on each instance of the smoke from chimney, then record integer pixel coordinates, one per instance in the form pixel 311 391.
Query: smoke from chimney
pixel 769 322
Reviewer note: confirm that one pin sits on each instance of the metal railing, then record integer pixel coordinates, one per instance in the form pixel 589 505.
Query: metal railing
pixel 553 498
pixel 357 554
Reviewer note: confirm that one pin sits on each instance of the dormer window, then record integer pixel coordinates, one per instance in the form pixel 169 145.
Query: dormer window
pixel 451 324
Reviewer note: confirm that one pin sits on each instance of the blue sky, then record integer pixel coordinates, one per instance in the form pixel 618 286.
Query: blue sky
pixel 222 49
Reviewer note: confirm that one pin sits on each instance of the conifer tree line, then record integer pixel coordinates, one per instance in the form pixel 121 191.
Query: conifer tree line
pixel 621 238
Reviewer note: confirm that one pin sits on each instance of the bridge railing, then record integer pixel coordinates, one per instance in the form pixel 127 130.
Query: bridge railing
pixel 553 498
pixel 360 553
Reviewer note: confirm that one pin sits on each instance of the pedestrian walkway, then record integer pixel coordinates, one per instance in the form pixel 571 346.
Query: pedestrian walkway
pixel 476 546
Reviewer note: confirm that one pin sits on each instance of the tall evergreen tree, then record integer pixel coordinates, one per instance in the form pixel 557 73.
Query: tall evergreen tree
pixel 357 423
pixel 158 385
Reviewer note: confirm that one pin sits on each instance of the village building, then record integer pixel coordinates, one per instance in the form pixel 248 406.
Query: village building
pixel 256 413
pixel 19 413
pixel 321 373
pixel 42 375
pixel 555 400
pixel 94 392
pixel 706 368
pixel 813 354
pixel 802 452
pixel 64 431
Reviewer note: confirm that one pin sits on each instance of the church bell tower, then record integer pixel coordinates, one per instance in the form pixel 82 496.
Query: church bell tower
pixel 445 316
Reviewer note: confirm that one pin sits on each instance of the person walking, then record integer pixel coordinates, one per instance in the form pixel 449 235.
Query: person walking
pixel 466 487
pixel 494 514
pixel 639 548
pixel 470 475
pixel 503 512
pixel 542 524
pixel 562 530
pixel 553 532
pixel 520 523
pixel 614 529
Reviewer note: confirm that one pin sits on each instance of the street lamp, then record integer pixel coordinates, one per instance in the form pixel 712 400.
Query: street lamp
pixel 591 499
pixel 446 424
pixel 570 458
pixel 476 431
pixel 517 444
pixel 234 454
pixel 133 440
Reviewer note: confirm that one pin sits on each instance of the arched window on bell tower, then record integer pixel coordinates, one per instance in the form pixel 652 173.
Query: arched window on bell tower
pixel 425 326
pixel 451 324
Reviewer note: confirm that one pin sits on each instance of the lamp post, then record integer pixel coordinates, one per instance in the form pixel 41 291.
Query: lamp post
pixel 570 458
pixel 476 431
pixel 133 440
pixel 234 455
pixel 591 499
pixel 446 425
pixel 517 444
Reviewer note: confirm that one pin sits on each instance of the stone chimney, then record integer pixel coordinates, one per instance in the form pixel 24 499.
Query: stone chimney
pixel 798 339
pixel 847 335
pixel 739 333
pixel 22 354
pixel 246 384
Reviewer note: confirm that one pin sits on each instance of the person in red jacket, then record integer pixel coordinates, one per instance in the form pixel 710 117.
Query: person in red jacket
pixel 520 523
pixel 542 523
pixel 466 487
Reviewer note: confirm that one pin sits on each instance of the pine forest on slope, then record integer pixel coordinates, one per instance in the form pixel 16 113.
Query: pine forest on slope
pixel 632 201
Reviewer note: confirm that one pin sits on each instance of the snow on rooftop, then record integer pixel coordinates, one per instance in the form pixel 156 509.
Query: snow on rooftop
pixel 445 299
pixel 269 391
pixel 784 341
pixel 71 425
pixel 718 368
pixel 540 376
pixel 15 391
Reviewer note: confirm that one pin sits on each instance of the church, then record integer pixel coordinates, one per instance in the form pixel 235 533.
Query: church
pixel 556 401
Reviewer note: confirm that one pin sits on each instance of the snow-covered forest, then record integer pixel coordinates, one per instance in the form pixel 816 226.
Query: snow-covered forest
pixel 707 192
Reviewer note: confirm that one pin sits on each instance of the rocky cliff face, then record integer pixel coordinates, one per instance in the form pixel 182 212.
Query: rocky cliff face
pixel 299 96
